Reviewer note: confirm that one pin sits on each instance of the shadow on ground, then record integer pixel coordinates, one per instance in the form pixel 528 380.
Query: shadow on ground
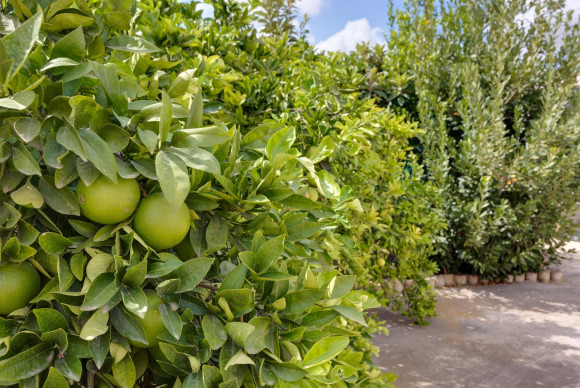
pixel 520 335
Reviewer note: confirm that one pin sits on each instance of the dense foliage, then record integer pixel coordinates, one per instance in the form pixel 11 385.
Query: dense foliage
pixel 280 77
pixel 98 99
pixel 493 86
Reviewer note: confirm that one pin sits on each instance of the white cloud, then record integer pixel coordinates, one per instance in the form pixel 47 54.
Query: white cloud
pixel 573 4
pixel 569 5
pixel 206 10
pixel 355 31
pixel 311 7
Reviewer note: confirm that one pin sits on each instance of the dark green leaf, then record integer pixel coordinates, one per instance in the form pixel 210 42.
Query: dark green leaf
pixel 216 234
pixel 192 272
pixel 303 230
pixel 239 331
pixel 77 265
pixel 261 338
pixel 24 161
pixel 55 379
pixel 26 364
pixel 54 243
pixel 341 285
pixel 62 200
pixel 70 46
pixel 288 371
pixel 19 42
pixel 135 275
pixel 268 253
pixel 70 139
pixel 96 326
pixel 128 325
pixel 99 153
pixel 99 347
pixel 100 292
pixel 27 128
pixel 58 337
pixel 171 320
pixel 165 117
pixel 302 300
pixel 65 276
pixel 234 279
pixel 114 136
pixel 214 331
pixel 70 367
pixel 49 320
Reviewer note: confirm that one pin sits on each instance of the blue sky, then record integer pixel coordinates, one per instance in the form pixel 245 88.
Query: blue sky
pixel 341 24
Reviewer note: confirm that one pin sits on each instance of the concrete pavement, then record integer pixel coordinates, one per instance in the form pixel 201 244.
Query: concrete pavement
pixel 512 335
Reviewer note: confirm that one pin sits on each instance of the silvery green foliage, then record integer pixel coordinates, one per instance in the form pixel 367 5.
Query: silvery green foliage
pixel 493 86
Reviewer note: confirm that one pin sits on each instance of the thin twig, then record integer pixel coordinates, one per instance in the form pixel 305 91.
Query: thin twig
pixel 90 379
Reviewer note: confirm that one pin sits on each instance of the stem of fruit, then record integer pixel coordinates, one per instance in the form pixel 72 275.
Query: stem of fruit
pixel 90 379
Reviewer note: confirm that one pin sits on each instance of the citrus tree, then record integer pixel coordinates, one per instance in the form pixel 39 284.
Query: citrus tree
pixel 145 238
pixel 279 77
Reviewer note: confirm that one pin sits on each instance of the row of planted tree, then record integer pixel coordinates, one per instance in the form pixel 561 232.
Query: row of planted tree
pixel 210 202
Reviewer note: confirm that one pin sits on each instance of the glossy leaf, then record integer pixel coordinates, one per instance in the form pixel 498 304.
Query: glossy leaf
pixel 55 379
pixel 324 350
pixel 124 372
pixel 192 272
pixel 100 292
pixel 19 42
pixel 173 177
pixel 214 331
pixel 132 44
pixel 171 320
pixel 96 326
pixel 26 364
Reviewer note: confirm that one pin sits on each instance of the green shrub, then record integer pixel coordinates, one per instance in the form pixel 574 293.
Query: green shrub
pixel 248 298
pixel 493 86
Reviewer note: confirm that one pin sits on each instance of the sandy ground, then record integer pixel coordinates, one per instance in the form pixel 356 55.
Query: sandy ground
pixel 513 335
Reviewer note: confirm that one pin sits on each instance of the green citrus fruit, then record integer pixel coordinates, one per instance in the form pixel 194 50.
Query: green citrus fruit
pixel 152 322
pixel 158 224
pixel 313 193
pixel 106 202
pixel 311 150
pixel 184 249
pixel 19 284
pixel 381 262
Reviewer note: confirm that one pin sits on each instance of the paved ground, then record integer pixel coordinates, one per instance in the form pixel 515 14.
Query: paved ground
pixel 513 335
